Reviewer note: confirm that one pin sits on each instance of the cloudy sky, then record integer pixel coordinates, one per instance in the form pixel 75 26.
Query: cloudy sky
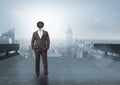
pixel 89 19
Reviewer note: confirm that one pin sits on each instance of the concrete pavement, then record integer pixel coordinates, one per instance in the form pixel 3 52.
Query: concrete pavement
pixel 62 71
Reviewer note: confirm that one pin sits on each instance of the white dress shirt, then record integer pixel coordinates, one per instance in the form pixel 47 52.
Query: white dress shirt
pixel 40 33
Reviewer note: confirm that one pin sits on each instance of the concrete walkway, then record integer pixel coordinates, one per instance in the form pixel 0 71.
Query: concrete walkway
pixel 62 71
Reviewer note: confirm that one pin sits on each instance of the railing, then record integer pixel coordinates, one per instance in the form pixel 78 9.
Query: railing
pixel 6 48
pixel 113 48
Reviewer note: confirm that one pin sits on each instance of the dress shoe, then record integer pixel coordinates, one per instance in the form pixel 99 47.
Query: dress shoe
pixel 37 77
pixel 46 77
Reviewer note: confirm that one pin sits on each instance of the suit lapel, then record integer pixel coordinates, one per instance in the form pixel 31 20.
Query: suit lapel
pixel 37 34
pixel 43 34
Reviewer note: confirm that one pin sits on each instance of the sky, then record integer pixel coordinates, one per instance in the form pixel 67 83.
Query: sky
pixel 88 19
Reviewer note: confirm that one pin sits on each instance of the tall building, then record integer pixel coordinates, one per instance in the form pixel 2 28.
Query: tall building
pixel 8 37
pixel 10 34
pixel 69 42
pixel 69 36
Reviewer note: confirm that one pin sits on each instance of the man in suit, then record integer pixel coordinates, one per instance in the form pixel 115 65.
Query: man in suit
pixel 40 44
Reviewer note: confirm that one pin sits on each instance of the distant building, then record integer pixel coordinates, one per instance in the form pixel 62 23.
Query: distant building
pixel 4 40
pixel 8 37
pixel 69 42
pixel 69 36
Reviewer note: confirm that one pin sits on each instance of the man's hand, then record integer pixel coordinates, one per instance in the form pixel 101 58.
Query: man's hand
pixel 44 48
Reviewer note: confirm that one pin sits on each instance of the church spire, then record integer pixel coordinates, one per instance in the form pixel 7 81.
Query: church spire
pixel 69 30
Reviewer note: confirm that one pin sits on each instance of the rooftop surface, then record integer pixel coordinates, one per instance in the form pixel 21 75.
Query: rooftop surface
pixel 18 70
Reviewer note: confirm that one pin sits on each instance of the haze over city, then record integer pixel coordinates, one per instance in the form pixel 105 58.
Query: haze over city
pixel 88 19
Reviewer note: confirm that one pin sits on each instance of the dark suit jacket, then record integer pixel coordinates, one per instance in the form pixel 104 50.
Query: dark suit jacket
pixel 42 43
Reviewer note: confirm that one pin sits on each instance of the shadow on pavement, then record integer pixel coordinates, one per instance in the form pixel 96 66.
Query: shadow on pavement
pixel 40 81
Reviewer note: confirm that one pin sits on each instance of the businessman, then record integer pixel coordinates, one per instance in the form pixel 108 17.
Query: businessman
pixel 40 44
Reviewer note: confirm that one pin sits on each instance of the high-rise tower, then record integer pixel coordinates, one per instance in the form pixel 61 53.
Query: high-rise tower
pixel 69 36
pixel 69 42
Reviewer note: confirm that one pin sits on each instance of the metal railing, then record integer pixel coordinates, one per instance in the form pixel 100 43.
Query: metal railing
pixel 6 48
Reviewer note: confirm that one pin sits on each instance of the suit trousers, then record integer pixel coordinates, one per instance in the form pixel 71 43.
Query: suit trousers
pixel 42 54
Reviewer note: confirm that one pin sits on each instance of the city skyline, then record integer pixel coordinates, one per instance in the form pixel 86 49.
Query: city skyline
pixel 89 19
